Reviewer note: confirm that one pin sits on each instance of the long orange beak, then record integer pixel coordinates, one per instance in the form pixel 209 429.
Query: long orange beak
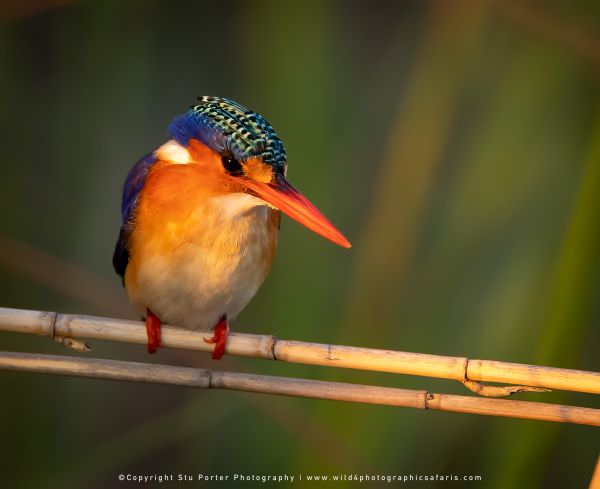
pixel 287 199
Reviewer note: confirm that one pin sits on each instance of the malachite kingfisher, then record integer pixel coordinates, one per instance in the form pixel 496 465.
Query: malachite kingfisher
pixel 200 219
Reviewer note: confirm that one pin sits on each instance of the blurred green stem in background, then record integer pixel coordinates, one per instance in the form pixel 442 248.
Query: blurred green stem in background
pixel 414 150
pixel 569 301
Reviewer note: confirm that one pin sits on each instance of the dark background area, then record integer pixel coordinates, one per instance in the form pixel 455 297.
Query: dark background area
pixel 457 145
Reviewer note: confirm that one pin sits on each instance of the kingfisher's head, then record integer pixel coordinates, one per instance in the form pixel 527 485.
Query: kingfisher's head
pixel 243 150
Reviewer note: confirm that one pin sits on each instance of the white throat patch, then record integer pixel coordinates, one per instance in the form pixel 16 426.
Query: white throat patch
pixel 237 204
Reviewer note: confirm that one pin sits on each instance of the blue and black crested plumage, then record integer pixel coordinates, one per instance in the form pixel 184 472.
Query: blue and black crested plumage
pixel 226 126
pixel 133 185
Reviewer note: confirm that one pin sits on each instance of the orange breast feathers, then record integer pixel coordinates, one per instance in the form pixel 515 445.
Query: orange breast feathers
pixel 173 193
pixel 195 206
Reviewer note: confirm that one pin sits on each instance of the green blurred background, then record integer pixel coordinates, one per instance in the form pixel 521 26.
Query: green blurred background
pixel 456 143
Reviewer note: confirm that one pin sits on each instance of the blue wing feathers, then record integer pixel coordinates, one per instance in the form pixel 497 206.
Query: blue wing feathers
pixel 133 185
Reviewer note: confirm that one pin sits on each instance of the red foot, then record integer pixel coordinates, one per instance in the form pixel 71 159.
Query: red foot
pixel 153 331
pixel 219 338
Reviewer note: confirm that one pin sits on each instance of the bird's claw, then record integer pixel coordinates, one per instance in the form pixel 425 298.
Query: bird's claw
pixel 219 338
pixel 153 331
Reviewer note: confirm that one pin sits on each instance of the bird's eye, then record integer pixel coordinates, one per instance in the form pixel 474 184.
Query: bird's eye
pixel 231 165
